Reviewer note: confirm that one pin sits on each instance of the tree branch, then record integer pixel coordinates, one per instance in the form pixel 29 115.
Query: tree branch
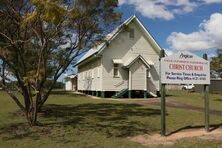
pixel 16 100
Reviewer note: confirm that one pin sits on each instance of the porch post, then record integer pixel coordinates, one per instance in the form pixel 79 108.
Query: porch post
pixel 145 88
pixel 102 94
pixel 93 93
pixel 97 93
pixel 130 84
pixel 145 93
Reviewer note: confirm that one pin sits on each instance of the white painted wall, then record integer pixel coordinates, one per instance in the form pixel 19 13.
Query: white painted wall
pixel 138 70
pixel 68 85
pixel 122 47
pixel 90 75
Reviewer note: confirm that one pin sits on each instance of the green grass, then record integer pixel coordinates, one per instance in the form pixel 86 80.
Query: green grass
pixel 77 121
pixel 196 99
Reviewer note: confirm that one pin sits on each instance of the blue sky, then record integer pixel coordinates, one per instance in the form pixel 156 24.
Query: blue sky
pixel 180 24
pixel 193 25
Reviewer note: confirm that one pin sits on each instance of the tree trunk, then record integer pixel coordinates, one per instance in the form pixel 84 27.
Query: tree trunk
pixel 31 110
pixel 31 117
pixel 35 116
pixel 3 72
pixel 36 109
pixel 43 99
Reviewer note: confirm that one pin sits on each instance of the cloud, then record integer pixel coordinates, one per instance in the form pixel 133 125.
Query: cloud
pixel 169 51
pixel 208 36
pixel 212 1
pixel 165 9
pixel 150 8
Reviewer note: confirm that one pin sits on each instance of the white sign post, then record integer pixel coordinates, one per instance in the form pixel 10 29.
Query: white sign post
pixel 185 68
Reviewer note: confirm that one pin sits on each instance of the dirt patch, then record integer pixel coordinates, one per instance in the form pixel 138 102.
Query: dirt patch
pixel 157 139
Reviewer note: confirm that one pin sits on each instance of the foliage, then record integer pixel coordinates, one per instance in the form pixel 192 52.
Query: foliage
pixel 216 64
pixel 39 39
pixel 57 85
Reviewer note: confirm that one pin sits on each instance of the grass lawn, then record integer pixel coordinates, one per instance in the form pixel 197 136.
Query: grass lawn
pixel 76 121
pixel 196 99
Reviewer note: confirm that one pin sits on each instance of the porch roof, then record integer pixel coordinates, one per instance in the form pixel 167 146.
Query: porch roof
pixel 117 61
pixel 134 59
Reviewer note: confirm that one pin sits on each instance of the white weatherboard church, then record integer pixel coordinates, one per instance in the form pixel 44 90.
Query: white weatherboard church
pixel 126 65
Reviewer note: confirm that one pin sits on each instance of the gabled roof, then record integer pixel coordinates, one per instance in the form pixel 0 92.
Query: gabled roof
pixel 133 60
pixel 114 33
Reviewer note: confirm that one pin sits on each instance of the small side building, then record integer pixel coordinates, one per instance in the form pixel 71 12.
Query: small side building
pixel 71 83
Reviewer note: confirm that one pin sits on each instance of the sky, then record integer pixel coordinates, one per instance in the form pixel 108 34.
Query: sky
pixel 194 25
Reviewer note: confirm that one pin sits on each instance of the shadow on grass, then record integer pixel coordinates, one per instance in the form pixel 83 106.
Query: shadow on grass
pixel 220 100
pixel 23 130
pixel 110 119
pixel 212 128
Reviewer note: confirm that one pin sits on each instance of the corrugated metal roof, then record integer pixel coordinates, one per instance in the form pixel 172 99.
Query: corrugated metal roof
pixel 91 52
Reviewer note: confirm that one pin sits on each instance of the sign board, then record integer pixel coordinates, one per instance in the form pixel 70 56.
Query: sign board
pixel 184 68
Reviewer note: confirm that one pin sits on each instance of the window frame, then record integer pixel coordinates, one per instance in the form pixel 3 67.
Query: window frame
pixel 116 67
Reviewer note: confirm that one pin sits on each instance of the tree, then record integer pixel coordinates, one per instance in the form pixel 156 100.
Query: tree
pixel 39 39
pixel 2 72
pixel 216 64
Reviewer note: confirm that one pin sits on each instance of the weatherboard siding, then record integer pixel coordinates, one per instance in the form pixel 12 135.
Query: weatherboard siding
pixel 109 82
pixel 138 71
pixel 88 78
pixel 122 47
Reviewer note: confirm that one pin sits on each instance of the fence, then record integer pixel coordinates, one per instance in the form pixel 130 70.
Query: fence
pixel 215 86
